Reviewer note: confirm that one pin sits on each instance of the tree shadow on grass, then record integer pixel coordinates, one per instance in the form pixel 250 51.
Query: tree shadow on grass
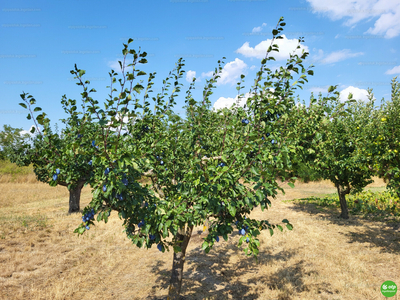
pixel 386 236
pixel 216 276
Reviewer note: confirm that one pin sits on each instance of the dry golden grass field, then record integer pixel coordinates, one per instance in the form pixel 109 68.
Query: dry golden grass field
pixel 323 257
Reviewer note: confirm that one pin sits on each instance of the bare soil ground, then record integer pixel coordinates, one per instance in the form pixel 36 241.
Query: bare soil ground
pixel 323 257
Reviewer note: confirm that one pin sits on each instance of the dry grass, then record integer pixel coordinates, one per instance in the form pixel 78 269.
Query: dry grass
pixel 321 258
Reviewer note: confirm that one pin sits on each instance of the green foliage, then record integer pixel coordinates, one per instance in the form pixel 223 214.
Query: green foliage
pixel 379 205
pixel 194 165
pixel 50 151
pixel 8 168
pixel 10 139
pixel 382 140
pixel 197 162
pixel 334 151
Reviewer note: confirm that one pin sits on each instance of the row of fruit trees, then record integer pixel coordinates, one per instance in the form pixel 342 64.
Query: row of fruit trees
pixel 195 164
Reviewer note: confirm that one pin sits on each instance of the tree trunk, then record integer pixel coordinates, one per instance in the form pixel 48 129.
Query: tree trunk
pixel 182 240
pixel 75 197
pixel 342 198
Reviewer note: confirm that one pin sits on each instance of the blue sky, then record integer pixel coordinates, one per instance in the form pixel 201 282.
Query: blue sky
pixel 352 44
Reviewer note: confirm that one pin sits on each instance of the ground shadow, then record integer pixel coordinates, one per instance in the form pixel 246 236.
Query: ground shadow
pixel 211 276
pixel 386 235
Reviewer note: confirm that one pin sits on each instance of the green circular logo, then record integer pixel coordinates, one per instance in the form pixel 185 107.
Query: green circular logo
pixel 388 288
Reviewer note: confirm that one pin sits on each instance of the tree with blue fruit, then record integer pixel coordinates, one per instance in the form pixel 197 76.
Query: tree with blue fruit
pixel 194 165
pixel 186 164
pixel 58 159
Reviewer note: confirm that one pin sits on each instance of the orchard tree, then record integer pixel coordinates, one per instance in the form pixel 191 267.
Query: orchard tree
pixel 382 140
pixel 194 165
pixel 11 139
pixel 334 151
pixel 53 162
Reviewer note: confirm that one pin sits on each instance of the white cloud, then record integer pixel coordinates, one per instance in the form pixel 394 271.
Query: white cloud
pixel 208 74
pixel 335 56
pixel 387 12
pixel 230 73
pixel 395 70
pixel 125 121
pixel 22 132
pixel 317 90
pixel 223 102
pixel 258 29
pixel 358 94
pixel 318 56
pixel 190 75
pixel 286 46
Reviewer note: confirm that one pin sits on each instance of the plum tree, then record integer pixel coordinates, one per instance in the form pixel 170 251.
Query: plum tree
pixel 54 160
pixel 194 165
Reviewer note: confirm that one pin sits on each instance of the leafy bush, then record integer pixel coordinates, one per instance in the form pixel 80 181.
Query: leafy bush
pixel 367 203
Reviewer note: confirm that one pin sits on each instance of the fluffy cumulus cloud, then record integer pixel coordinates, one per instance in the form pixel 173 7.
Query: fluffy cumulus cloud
pixel 223 102
pixel 358 94
pixel 230 73
pixel 385 12
pixel 22 132
pixel 190 75
pixel 259 51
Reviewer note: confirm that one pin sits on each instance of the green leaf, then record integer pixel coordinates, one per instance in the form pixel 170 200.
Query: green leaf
pixel 37 109
pixel 291 184
pixel 289 226
pixel 204 246
pixel 177 249
pixel 103 122
pixel 232 210
pixel 23 105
